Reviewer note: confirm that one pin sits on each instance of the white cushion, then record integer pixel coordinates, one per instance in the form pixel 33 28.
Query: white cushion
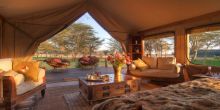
pixel 27 86
pixel 151 61
pixel 166 62
pixel 6 64
pixel 19 78
pixel 41 75
pixel 156 73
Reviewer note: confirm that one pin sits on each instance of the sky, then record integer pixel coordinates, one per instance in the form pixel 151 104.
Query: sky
pixel 100 32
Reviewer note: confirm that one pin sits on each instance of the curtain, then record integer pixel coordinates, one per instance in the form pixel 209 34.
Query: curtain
pixel 22 35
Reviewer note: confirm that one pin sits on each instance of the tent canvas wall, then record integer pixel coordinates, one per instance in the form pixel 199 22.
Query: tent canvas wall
pixel 24 24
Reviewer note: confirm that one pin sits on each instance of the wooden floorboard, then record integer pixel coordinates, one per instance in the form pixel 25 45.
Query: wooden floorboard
pixel 54 97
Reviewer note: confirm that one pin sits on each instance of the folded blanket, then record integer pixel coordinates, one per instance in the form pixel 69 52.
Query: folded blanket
pixel 201 94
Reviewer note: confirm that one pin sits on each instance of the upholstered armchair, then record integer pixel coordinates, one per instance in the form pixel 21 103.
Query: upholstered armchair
pixel 15 88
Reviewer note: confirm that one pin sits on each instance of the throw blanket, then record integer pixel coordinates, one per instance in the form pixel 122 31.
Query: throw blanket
pixel 201 94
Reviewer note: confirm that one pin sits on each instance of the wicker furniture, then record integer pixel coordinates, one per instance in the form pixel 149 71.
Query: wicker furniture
pixel 93 91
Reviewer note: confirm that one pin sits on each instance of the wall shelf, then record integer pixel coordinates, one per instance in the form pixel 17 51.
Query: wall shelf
pixel 135 47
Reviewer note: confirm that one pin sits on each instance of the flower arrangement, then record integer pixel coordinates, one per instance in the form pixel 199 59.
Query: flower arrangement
pixel 118 59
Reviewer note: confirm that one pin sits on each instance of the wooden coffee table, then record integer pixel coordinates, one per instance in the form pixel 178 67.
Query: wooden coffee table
pixel 93 91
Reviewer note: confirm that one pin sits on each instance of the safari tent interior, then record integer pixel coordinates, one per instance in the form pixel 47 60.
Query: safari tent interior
pixel 24 24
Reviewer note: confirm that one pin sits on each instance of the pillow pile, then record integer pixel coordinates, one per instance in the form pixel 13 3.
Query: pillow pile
pixel 30 69
pixel 140 64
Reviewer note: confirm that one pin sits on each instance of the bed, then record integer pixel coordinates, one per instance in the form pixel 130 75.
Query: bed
pixel 200 94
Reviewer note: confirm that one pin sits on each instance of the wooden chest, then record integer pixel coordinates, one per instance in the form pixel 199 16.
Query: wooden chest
pixel 93 91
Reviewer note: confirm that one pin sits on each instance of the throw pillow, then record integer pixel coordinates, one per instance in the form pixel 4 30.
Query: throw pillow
pixel 29 68
pixel 33 71
pixel 132 67
pixel 140 64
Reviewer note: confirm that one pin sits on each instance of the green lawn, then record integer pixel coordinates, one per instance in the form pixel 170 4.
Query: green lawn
pixel 209 62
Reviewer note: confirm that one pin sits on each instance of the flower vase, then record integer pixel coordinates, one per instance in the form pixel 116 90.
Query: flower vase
pixel 117 73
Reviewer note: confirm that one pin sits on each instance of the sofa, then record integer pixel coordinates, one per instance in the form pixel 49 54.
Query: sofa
pixel 15 87
pixel 157 68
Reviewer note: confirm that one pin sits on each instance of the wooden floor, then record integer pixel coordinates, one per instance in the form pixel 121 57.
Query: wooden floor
pixel 61 82
pixel 54 99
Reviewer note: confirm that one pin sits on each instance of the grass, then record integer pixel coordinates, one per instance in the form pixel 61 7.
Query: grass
pixel 209 62
pixel 73 64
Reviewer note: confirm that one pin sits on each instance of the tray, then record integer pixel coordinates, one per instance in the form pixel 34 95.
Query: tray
pixel 95 80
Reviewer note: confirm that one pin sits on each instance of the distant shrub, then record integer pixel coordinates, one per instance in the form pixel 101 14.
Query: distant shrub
pixel 217 57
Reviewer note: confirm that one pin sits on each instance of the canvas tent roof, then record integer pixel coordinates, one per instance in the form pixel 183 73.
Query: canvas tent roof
pixel 26 23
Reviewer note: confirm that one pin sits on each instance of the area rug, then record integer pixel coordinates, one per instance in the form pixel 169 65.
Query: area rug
pixel 75 101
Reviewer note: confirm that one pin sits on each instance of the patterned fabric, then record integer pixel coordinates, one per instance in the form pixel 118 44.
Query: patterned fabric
pixel 201 94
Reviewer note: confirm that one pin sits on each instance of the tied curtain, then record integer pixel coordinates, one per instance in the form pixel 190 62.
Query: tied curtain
pixel 20 36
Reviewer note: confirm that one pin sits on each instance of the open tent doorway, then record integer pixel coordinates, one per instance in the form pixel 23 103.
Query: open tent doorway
pixel 80 40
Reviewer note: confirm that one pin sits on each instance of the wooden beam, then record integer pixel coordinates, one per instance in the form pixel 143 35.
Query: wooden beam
pixel 1 37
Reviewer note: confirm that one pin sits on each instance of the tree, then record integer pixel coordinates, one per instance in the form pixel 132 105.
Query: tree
pixel 204 40
pixel 46 47
pixel 76 39
pixel 114 45
pixel 95 42
pixel 156 45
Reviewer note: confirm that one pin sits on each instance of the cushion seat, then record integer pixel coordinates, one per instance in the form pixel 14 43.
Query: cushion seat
pixel 157 73
pixel 159 67
pixel 19 78
pixel 29 84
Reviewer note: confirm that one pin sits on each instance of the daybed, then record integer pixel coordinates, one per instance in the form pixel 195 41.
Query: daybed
pixel 16 87
pixel 201 94
pixel 158 68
